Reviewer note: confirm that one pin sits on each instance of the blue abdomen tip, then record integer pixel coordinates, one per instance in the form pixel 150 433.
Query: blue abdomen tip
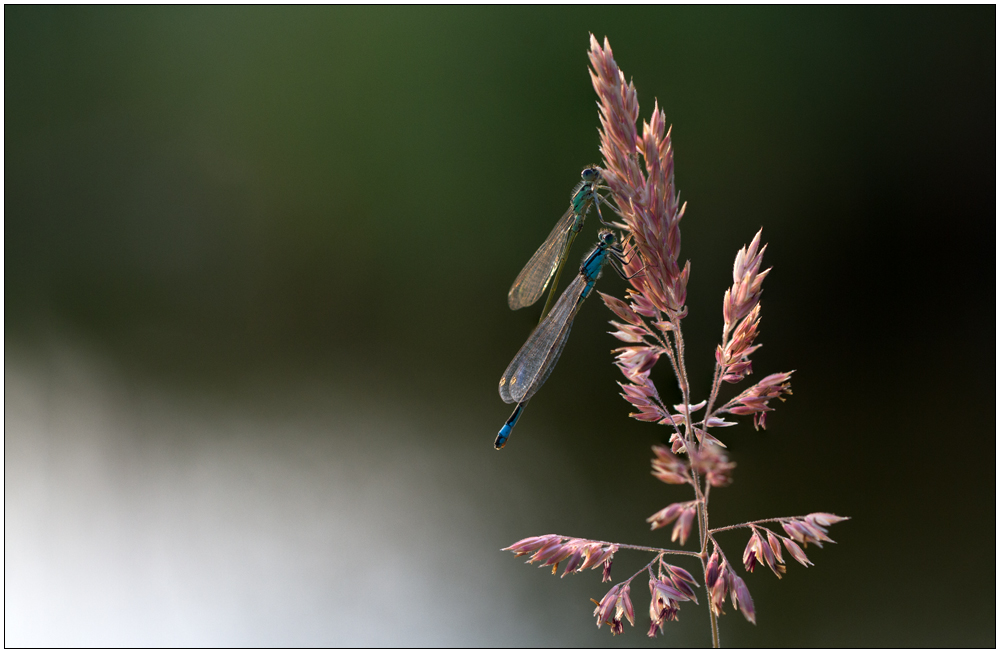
pixel 502 437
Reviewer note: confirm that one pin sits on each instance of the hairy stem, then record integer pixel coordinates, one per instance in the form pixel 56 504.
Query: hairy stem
pixel 722 554
pixel 635 547
pixel 717 379
pixel 668 347
pixel 703 523
pixel 713 619
pixel 691 440
pixel 692 443
pixel 642 569
pixel 748 524
pixel 682 378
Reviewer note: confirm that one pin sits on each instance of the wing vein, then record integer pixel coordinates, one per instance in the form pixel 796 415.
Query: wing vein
pixel 534 277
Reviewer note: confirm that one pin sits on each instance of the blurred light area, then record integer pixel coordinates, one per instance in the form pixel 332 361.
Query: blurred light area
pixel 134 518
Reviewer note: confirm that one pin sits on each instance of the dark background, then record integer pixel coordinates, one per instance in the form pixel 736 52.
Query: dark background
pixel 255 272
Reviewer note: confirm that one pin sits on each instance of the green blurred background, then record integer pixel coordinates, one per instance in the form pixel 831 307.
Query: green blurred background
pixel 255 272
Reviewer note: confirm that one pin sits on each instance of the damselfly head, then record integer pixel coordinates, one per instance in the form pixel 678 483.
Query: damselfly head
pixel 607 237
pixel 591 174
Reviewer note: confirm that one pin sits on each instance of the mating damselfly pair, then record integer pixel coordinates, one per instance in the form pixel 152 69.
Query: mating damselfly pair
pixel 538 356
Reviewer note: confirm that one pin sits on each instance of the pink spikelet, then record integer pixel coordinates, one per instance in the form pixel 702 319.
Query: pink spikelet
pixel 745 292
pixel 644 194
pixel 638 177
pixel 754 400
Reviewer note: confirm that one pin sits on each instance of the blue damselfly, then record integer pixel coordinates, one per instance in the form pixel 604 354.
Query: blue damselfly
pixel 540 353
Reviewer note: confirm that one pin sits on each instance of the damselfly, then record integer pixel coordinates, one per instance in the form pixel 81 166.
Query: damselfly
pixel 547 262
pixel 539 355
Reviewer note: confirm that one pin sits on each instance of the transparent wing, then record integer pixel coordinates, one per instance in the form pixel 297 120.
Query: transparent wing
pixel 538 357
pixel 531 282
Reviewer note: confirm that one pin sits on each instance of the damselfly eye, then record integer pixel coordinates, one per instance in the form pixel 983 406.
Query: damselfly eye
pixel 590 174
